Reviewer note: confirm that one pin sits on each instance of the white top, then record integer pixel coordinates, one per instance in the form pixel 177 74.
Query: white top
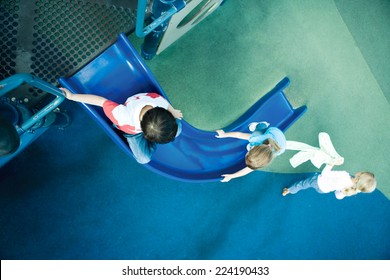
pixel 325 154
pixel 126 116
pixel 336 181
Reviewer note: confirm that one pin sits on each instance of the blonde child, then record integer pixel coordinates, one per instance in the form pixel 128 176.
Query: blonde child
pixel 265 143
pixel 339 182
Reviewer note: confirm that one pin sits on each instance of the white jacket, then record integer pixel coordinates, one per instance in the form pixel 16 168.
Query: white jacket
pixel 326 153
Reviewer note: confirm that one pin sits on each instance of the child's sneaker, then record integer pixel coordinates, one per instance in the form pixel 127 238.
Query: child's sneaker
pixel 252 126
pixel 285 192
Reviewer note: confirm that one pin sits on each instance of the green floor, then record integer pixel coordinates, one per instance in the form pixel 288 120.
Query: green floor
pixel 222 66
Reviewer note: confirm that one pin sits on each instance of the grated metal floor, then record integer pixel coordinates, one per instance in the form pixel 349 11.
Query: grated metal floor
pixel 53 38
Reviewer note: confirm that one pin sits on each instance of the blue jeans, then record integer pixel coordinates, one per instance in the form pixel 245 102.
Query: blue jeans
pixel 311 182
pixel 142 149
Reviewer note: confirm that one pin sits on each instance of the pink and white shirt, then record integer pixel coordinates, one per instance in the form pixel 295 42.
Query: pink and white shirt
pixel 126 116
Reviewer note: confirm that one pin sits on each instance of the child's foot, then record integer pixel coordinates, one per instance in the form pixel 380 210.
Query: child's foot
pixel 285 192
pixel 252 126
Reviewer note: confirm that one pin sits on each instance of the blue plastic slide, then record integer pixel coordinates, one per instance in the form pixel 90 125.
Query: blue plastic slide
pixel 194 156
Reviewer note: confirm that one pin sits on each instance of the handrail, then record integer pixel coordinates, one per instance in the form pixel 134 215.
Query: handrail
pixel 17 80
pixel 140 31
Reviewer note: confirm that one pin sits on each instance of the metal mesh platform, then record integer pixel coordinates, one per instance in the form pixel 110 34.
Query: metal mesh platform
pixel 53 38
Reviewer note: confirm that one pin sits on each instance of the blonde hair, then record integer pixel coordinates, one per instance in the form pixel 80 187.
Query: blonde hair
pixel 363 182
pixel 261 155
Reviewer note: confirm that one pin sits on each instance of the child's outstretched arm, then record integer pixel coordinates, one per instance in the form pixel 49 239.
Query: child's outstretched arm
pixel 242 172
pixel 84 98
pixel 234 134
pixel 176 113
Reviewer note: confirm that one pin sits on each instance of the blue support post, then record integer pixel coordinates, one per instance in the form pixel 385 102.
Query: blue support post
pixel 162 10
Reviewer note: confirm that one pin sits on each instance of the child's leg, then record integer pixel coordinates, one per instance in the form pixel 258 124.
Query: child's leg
pixel 310 182
pixel 142 149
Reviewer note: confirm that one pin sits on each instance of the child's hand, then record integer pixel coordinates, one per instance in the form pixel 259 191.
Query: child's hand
pixel 177 114
pixel 227 177
pixel 339 161
pixel 67 93
pixel 220 133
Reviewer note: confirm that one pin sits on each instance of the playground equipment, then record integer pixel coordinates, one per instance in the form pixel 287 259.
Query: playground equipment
pixel 171 19
pixel 162 11
pixel 27 126
pixel 196 155
pixel 183 21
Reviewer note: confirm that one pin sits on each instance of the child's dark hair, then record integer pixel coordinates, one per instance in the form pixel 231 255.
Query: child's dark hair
pixel 159 125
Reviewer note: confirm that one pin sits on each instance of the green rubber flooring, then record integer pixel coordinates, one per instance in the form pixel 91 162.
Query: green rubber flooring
pixel 336 54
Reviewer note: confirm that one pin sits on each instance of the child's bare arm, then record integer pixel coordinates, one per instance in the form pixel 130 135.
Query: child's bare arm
pixel 176 113
pixel 242 172
pixel 234 134
pixel 84 98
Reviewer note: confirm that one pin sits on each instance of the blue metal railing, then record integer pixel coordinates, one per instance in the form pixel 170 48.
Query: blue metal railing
pixel 165 10
pixel 17 80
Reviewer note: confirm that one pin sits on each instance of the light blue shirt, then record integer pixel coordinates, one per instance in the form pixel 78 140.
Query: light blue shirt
pixel 257 138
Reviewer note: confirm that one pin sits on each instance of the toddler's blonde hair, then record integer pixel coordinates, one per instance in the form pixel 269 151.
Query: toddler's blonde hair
pixel 363 182
pixel 261 155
